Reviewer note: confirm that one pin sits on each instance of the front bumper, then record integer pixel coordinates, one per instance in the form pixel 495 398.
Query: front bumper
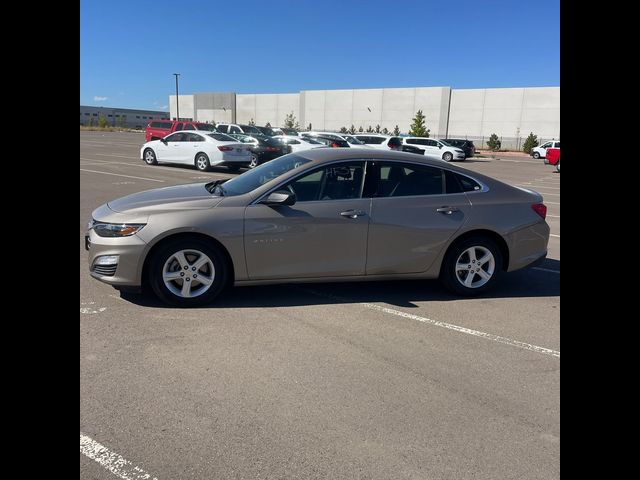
pixel 129 252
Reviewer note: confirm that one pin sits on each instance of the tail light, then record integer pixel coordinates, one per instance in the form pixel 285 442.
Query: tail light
pixel 334 145
pixel 540 209
pixel 272 149
pixel 225 149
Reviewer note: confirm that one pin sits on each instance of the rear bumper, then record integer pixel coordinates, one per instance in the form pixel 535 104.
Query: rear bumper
pixel 527 246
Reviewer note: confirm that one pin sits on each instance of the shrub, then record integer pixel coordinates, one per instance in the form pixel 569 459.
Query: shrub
pixel 530 142
pixel 494 143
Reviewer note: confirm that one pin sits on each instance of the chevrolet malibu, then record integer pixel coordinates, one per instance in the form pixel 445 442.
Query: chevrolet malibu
pixel 321 215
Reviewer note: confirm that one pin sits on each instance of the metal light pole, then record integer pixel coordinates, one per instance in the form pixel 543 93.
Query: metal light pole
pixel 177 103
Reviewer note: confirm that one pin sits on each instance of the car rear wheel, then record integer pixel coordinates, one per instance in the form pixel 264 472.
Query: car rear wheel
pixel 150 157
pixel 202 162
pixel 558 166
pixel 536 155
pixel 447 157
pixel 254 161
pixel 471 266
pixel 188 273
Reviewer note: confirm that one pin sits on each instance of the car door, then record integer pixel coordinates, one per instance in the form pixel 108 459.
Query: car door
pixel 412 215
pixel 176 143
pixel 163 150
pixel 324 234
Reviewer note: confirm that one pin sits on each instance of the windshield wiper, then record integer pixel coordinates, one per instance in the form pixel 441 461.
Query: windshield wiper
pixel 211 187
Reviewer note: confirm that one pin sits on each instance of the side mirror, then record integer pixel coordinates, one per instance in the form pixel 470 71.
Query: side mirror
pixel 440 145
pixel 163 141
pixel 280 197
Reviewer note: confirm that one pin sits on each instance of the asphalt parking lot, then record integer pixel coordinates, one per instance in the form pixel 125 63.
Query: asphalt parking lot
pixel 381 380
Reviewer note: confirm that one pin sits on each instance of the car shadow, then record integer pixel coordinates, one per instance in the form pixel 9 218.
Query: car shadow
pixel 541 281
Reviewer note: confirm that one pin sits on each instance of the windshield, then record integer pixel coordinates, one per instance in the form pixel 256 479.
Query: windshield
pixel 222 137
pixel 250 129
pixel 445 143
pixel 352 140
pixel 262 174
pixel 206 126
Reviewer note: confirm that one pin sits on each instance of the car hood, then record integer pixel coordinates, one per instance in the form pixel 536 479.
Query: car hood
pixel 179 197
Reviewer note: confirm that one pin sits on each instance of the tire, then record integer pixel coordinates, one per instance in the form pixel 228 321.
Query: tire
pixel 536 155
pixel 458 266
pixel 558 166
pixel 174 284
pixel 202 162
pixel 447 157
pixel 233 167
pixel 149 157
pixel 254 161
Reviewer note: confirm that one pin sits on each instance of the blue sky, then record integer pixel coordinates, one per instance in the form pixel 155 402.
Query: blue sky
pixel 129 50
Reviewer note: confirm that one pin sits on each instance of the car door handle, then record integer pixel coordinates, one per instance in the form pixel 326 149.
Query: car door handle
pixel 447 210
pixel 352 213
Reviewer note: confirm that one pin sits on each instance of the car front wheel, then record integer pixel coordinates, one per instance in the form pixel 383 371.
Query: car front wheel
pixel 558 167
pixel 471 266
pixel 254 161
pixel 447 157
pixel 536 155
pixel 188 273
pixel 150 157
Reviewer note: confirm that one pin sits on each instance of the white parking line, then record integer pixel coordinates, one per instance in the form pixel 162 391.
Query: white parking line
pixel 553 235
pixel 468 331
pixel 112 461
pixel 111 155
pixel 545 269
pixel 119 175
pixel 554 216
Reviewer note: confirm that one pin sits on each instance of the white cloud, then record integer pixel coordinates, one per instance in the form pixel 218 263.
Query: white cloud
pixel 164 107
pixel 99 99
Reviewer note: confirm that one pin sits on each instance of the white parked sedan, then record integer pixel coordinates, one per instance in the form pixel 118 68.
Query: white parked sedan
pixel 298 143
pixel 197 147
pixel 435 148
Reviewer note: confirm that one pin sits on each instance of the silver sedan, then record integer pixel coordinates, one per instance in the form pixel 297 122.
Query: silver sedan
pixel 319 215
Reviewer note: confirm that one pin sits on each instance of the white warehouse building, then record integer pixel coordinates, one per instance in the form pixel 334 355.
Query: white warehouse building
pixel 511 113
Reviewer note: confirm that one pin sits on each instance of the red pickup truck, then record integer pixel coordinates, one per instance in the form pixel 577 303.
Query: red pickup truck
pixel 157 129
pixel 553 157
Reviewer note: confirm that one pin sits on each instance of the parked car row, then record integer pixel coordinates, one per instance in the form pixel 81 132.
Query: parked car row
pixel 267 143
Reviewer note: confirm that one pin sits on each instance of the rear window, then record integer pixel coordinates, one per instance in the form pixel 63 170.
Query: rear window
pixel 205 126
pixel 221 137
pixel 374 140
pixel 160 125
pixel 468 184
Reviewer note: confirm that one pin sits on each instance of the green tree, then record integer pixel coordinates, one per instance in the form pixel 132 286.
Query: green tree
pixel 361 129
pixel 396 131
pixel 91 122
pixel 102 121
pixel 418 128
pixel 121 120
pixel 494 143
pixel 344 130
pixel 369 129
pixel 378 128
pixel 352 130
pixel 290 121
pixel 530 142
pixel 252 121
pixel 385 130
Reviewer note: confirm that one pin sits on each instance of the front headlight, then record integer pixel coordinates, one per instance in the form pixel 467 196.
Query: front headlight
pixel 116 229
